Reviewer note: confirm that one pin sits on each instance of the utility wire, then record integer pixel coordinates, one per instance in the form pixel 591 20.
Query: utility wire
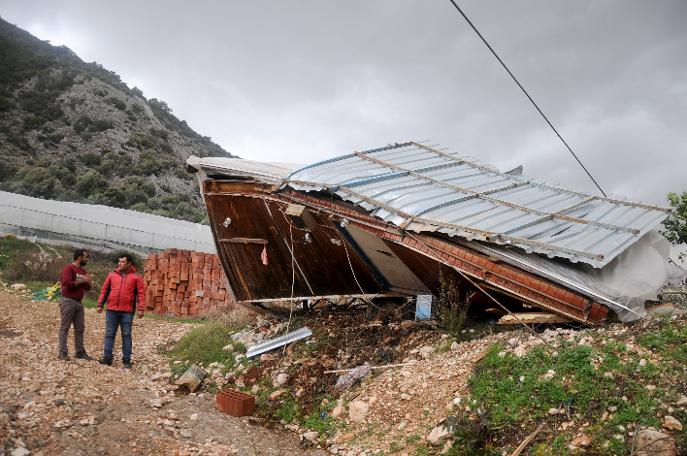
pixel 527 95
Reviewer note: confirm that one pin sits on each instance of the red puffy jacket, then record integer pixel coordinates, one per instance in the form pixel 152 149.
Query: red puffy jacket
pixel 123 291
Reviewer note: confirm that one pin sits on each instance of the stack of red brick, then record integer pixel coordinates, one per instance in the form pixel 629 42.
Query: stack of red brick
pixel 185 283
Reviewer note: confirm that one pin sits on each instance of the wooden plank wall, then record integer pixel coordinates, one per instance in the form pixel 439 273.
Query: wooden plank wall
pixel 186 283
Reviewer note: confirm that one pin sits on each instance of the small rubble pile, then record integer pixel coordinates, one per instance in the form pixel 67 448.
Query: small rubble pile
pixel 16 288
pixel 262 330
pixel 186 283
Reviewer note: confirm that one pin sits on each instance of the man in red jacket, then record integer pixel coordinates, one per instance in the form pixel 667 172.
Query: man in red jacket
pixel 123 292
pixel 74 282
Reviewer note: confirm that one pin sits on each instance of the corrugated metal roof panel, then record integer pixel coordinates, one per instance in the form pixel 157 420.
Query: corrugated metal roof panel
pixel 421 188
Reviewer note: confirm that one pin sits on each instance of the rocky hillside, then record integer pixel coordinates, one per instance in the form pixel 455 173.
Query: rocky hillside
pixel 73 131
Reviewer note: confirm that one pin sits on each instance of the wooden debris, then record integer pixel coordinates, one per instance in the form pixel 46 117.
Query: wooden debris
pixel 479 356
pixel 338 371
pixel 532 318
pixel 527 441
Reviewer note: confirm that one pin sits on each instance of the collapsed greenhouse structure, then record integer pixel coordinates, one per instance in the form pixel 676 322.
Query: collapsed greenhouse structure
pixel 395 223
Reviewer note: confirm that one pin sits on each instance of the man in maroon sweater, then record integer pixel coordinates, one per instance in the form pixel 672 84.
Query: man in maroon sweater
pixel 74 281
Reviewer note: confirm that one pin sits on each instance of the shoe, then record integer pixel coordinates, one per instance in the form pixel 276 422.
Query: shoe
pixel 83 355
pixel 63 357
pixel 105 361
pixel 126 364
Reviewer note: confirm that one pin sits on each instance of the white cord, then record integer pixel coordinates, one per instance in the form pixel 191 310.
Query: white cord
pixel 293 281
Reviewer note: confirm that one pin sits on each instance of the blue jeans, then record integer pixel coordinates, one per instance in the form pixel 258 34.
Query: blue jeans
pixel 113 320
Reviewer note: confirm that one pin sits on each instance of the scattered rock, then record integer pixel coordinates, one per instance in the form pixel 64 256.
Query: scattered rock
pixel 312 436
pixel 650 442
pixel 358 410
pixel 438 435
pixel 681 401
pixel 63 424
pixel 277 394
pixel 88 421
pixel 426 351
pixel 581 440
pixel 671 423
pixel 192 378
pixel 280 380
pixel 520 351
pixel 338 411
pixel 155 403
pixel 343 438
pixel 20 451
pixel 194 417
pixel 18 287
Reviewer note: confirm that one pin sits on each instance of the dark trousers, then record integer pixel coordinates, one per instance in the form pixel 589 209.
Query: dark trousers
pixel 115 319
pixel 71 313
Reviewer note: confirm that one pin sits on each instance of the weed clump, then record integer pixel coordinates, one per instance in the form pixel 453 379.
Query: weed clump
pixel 452 305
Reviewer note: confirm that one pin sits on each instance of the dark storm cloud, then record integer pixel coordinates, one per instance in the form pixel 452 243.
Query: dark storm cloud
pixel 304 80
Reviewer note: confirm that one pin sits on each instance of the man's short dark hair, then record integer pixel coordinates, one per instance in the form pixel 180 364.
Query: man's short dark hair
pixel 129 257
pixel 78 253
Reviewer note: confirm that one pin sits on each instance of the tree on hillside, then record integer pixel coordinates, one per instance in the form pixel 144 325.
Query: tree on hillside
pixel 676 223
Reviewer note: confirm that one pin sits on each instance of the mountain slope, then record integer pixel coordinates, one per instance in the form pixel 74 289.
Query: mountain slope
pixel 73 131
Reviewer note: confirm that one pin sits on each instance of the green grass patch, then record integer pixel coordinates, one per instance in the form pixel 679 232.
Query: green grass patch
pixel 589 382
pixel 89 302
pixel 38 265
pixel 205 345
pixel 670 341
pixel 422 450
pixel 320 419
pixel 195 321
pixel 177 369
pixel 35 285
pixel 288 410
pixel 413 438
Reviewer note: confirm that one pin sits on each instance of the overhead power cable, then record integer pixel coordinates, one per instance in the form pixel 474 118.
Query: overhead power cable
pixel 527 95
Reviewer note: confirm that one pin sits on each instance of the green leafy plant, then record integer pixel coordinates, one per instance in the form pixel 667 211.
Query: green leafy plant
pixel 676 223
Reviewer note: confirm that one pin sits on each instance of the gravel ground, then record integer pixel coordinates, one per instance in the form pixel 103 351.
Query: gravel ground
pixel 50 407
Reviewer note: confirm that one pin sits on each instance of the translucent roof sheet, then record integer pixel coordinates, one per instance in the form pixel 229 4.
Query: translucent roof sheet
pixel 420 188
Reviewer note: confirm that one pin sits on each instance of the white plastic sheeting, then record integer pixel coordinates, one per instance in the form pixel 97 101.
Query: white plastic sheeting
pixel 633 277
pixel 99 226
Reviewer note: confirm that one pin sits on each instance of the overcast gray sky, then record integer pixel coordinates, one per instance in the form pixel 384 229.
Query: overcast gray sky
pixel 301 81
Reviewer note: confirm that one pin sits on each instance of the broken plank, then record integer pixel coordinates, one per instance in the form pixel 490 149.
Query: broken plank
pixel 527 441
pixel 239 240
pixel 532 318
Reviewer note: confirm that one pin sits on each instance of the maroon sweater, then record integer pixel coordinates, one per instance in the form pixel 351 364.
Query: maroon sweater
pixel 70 274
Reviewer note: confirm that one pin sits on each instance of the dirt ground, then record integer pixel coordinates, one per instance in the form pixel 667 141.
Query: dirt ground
pixel 50 407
